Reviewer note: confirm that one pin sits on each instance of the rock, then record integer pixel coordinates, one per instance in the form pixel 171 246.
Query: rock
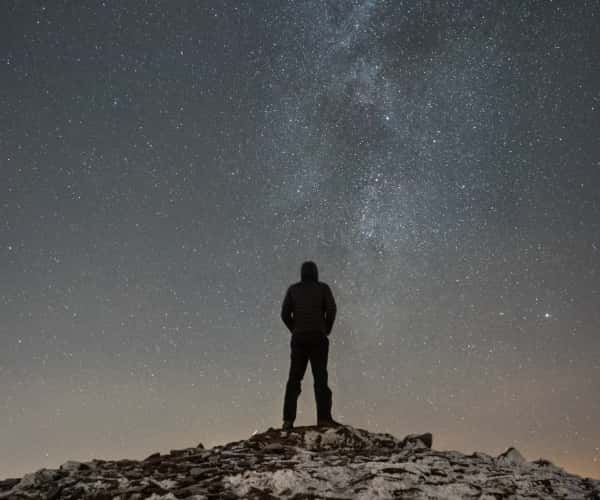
pixel 38 478
pixel 482 456
pixel 73 466
pixel 178 453
pixel 153 457
pixel 274 448
pixel 7 484
pixel 416 441
pixel 510 457
pixel 308 462
pixel 200 445
pixel 546 464
pixel 196 471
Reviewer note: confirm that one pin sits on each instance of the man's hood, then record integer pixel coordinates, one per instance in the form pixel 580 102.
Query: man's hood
pixel 309 271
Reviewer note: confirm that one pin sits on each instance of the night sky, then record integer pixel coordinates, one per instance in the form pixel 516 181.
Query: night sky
pixel 165 168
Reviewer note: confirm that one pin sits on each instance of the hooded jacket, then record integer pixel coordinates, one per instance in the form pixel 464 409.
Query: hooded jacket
pixel 309 306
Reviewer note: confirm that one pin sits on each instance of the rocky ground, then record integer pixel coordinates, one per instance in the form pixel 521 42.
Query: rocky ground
pixel 307 463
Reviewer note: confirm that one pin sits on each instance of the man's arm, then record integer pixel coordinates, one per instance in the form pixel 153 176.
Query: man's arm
pixel 287 310
pixel 330 309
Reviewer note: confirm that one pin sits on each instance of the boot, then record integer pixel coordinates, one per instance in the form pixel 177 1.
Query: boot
pixel 329 422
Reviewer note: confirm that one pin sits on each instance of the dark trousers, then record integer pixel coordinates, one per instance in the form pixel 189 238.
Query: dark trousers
pixel 314 348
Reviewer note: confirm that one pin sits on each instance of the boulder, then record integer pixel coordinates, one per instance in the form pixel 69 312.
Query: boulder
pixel 510 457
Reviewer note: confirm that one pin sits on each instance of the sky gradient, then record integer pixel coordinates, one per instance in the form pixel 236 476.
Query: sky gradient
pixel 165 168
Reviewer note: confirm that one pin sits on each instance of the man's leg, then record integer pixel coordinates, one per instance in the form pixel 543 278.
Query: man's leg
pixel 299 361
pixel 318 364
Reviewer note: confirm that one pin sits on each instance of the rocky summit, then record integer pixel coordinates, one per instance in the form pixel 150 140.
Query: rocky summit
pixel 307 463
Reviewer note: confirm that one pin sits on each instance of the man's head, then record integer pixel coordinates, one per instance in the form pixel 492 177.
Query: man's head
pixel 309 271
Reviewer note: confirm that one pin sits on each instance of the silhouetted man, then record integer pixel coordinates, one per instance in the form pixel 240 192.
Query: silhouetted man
pixel 308 311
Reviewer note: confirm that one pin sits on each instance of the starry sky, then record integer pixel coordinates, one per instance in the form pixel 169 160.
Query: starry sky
pixel 165 168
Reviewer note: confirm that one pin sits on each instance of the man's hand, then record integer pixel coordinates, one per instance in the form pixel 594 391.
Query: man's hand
pixel 330 310
pixel 287 311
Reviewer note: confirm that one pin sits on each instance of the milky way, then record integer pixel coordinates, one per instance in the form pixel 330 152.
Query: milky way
pixel 165 168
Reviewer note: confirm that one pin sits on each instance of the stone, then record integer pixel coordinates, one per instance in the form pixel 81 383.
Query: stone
pixel 196 471
pixel 274 448
pixel 7 484
pixel 511 456
pixel 418 441
pixel 310 462
pixel 37 478
pixel 153 457
pixel 72 466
